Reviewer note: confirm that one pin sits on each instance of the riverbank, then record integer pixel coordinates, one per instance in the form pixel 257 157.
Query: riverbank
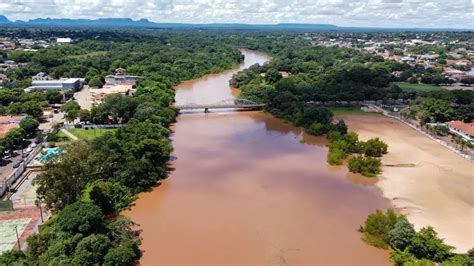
pixel 436 190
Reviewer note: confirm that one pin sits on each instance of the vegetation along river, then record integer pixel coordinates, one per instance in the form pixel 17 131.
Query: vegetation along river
pixel 249 189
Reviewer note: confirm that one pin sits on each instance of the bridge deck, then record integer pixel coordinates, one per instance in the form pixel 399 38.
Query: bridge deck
pixel 214 106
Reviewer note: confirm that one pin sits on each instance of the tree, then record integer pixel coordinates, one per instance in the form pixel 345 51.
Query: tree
pixel 29 125
pixel 427 245
pixel 316 129
pixel 374 147
pixel 81 217
pixel 367 166
pixel 84 115
pixel 96 82
pixel 32 108
pixel 63 180
pixel 377 227
pixel 340 126
pixel 111 197
pixel 272 76
pixel 91 250
pixel 14 138
pixel 433 110
pixel 71 108
pixel 402 234
pixel 124 254
pixel 54 96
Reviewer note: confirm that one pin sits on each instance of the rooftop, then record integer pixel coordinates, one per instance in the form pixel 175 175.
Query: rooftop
pixel 465 127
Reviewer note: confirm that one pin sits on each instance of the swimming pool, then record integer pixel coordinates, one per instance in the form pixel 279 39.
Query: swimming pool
pixel 50 154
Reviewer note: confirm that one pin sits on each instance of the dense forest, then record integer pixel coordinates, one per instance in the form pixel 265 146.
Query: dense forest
pixel 88 186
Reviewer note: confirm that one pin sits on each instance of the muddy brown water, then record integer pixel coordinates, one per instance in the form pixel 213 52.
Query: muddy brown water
pixel 249 189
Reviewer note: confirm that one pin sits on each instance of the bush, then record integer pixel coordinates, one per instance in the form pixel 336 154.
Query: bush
pixel 340 127
pixel 316 129
pixel 336 156
pixel 401 257
pixel 367 166
pixel 402 234
pixel 374 147
pixel 377 227
pixel 427 245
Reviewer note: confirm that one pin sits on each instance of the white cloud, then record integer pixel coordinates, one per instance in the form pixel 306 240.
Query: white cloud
pixel 386 13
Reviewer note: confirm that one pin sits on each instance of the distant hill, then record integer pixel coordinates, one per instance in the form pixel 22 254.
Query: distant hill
pixel 145 23
pixel 4 19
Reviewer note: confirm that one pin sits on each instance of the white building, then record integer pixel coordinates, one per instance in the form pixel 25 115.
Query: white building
pixel 74 84
pixel 63 40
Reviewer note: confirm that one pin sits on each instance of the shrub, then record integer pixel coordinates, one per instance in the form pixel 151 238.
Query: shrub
pixel 316 129
pixel 377 227
pixel 427 245
pixel 374 147
pixel 401 257
pixel 336 156
pixel 402 234
pixel 367 166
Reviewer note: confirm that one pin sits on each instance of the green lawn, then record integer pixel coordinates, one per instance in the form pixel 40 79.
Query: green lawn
pixel 405 86
pixel 350 111
pixel 90 133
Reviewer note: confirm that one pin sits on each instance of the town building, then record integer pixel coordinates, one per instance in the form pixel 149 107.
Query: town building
pixel 461 129
pixel 41 76
pixel 120 78
pixel 63 40
pixel 73 84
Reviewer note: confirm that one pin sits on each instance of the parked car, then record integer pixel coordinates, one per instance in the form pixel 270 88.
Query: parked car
pixel 17 164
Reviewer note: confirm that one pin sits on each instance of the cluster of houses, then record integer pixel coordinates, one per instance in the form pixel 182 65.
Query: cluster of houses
pixel 456 63
pixel 23 44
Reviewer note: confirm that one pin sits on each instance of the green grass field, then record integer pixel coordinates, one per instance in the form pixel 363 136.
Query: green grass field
pixel 350 111
pixel 90 133
pixel 405 86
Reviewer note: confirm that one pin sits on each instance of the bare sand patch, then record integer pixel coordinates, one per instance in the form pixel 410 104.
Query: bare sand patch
pixel 438 188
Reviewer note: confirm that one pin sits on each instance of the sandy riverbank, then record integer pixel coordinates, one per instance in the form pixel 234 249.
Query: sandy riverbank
pixel 437 191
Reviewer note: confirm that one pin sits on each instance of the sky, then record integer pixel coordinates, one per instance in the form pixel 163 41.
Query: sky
pixel 362 13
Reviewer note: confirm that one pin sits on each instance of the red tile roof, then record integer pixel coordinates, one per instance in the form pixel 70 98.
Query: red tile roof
pixel 465 127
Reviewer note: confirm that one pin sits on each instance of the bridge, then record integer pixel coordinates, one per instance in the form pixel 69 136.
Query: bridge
pixel 241 104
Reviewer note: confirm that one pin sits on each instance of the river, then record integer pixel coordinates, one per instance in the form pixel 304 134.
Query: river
pixel 249 189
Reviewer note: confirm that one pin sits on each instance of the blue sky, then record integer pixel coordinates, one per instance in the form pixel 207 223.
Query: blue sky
pixel 385 13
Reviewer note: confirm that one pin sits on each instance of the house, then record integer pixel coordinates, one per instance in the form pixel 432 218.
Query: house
pixel 41 76
pixel 407 59
pixel 461 129
pixel 63 40
pixel 120 78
